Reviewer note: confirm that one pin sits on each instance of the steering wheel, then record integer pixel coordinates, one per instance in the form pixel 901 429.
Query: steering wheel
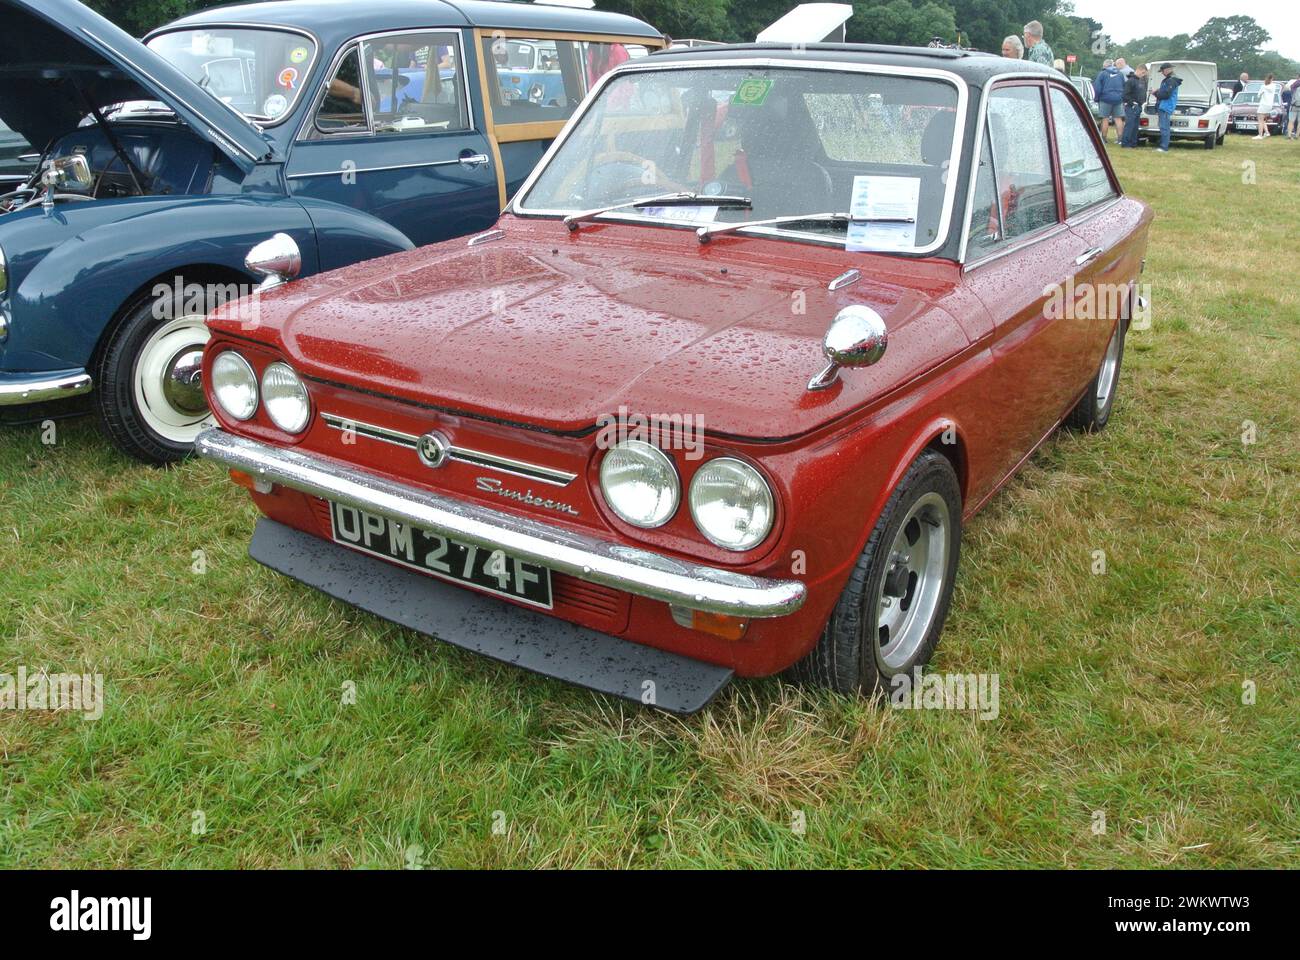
pixel 620 173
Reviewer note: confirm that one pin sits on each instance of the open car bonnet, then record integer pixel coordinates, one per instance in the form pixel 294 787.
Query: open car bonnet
pixel 1199 78
pixel 58 59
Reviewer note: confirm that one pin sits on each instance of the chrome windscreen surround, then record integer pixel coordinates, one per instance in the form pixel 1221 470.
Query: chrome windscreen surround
pixel 947 217
pixel 477 458
pixel 633 570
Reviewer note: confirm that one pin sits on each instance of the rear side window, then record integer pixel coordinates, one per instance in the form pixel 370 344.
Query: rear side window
pixel 541 79
pixel 1083 172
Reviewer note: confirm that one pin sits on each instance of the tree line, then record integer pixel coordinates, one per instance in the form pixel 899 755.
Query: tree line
pixel 1235 43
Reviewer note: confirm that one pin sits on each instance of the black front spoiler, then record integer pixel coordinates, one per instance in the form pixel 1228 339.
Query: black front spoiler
pixel 492 627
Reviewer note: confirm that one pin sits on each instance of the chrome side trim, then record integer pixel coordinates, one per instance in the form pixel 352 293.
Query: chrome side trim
pixel 516 205
pixel 394 166
pixel 476 458
pixel 631 569
pixel 485 238
pixel 36 391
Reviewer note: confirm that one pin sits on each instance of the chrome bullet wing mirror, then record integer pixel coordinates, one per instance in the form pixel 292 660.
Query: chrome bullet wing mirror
pixel 857 338
pixel 278 259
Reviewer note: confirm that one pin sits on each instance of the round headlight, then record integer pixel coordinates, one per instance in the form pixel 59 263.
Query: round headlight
pixel 285 398
pixel 640 483
pixel 731 504
pixel 234 385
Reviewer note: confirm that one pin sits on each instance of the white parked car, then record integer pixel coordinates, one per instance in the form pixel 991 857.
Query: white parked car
pixel 1202 112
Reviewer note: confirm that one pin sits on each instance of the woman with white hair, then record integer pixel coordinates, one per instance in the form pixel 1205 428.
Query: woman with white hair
pixel 1013 48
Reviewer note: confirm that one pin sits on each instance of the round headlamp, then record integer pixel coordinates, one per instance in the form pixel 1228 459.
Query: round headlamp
pixel 234 385
pixel 285 398
pixel 732 504
pixel 640 484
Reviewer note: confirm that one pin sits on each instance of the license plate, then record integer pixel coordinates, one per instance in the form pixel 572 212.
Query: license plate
pixel 491 571
pixel 1246 126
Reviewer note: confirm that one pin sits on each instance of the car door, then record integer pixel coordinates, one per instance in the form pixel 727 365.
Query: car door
pixel 392 133
pixel 1020 261
pixel 1089 194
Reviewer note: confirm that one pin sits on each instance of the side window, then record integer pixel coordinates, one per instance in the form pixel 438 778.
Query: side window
pixel 343 110
pixel 415 83
pixel 540 80
pixel 1026 187
pixel 1083 172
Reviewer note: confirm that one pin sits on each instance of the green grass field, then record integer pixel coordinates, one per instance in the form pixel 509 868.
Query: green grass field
pixel 1121 693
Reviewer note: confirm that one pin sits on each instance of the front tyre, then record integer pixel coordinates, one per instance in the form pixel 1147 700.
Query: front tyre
pixel 891 613
pixel 148 387
pixel 1092 412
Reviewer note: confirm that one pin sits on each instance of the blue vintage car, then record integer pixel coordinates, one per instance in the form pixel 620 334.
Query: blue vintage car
pixel 243 144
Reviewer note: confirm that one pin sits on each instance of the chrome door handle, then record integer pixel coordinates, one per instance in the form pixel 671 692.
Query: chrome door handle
pixel 474 160
pixel 1088 256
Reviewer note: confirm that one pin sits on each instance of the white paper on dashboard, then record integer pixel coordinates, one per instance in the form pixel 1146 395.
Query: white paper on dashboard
pixel 892 198
pixel 692 214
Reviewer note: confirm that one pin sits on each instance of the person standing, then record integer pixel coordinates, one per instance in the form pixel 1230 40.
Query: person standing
pixel 1013 49
pixel 1122 66
pixel 1135 96
pixel 1293 116
pixel 1166 103
pixel 1240 84
pixel 1037 49
pixel 1109 90
pixel 1268 97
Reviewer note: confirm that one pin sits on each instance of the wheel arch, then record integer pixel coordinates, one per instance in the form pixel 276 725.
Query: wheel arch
pixel 202 273
pixel 945 436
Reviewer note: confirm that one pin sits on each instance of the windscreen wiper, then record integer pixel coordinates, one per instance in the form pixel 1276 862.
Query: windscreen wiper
pixel 713 230
pixel 573 220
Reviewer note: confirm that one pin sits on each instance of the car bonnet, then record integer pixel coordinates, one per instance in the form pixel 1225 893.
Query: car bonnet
pixel 58 59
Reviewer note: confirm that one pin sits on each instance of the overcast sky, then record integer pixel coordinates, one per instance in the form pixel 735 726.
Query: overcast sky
pixel 1127 20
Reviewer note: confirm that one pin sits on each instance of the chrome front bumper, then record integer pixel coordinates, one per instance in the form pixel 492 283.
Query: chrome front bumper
pixel 36 389
pixel 631 569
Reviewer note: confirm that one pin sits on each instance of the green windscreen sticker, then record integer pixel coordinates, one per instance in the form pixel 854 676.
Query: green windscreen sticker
pixel 752 92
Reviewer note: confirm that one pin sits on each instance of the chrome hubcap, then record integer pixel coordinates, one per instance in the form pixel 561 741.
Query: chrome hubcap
pixel 914 581
pixel 1109 369
pixel 183 382
pixel 167 380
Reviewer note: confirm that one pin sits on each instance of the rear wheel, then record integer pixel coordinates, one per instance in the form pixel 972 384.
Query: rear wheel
pixel 1092 412
pixel 891 613
pixel 148 386
pixel 1210 141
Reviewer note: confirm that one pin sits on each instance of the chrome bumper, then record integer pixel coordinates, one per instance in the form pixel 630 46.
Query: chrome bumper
pixel 37 390
pixel 636 571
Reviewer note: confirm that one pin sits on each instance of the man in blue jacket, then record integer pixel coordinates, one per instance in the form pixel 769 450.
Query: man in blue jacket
pixel 1109 88
pixel 1166 101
